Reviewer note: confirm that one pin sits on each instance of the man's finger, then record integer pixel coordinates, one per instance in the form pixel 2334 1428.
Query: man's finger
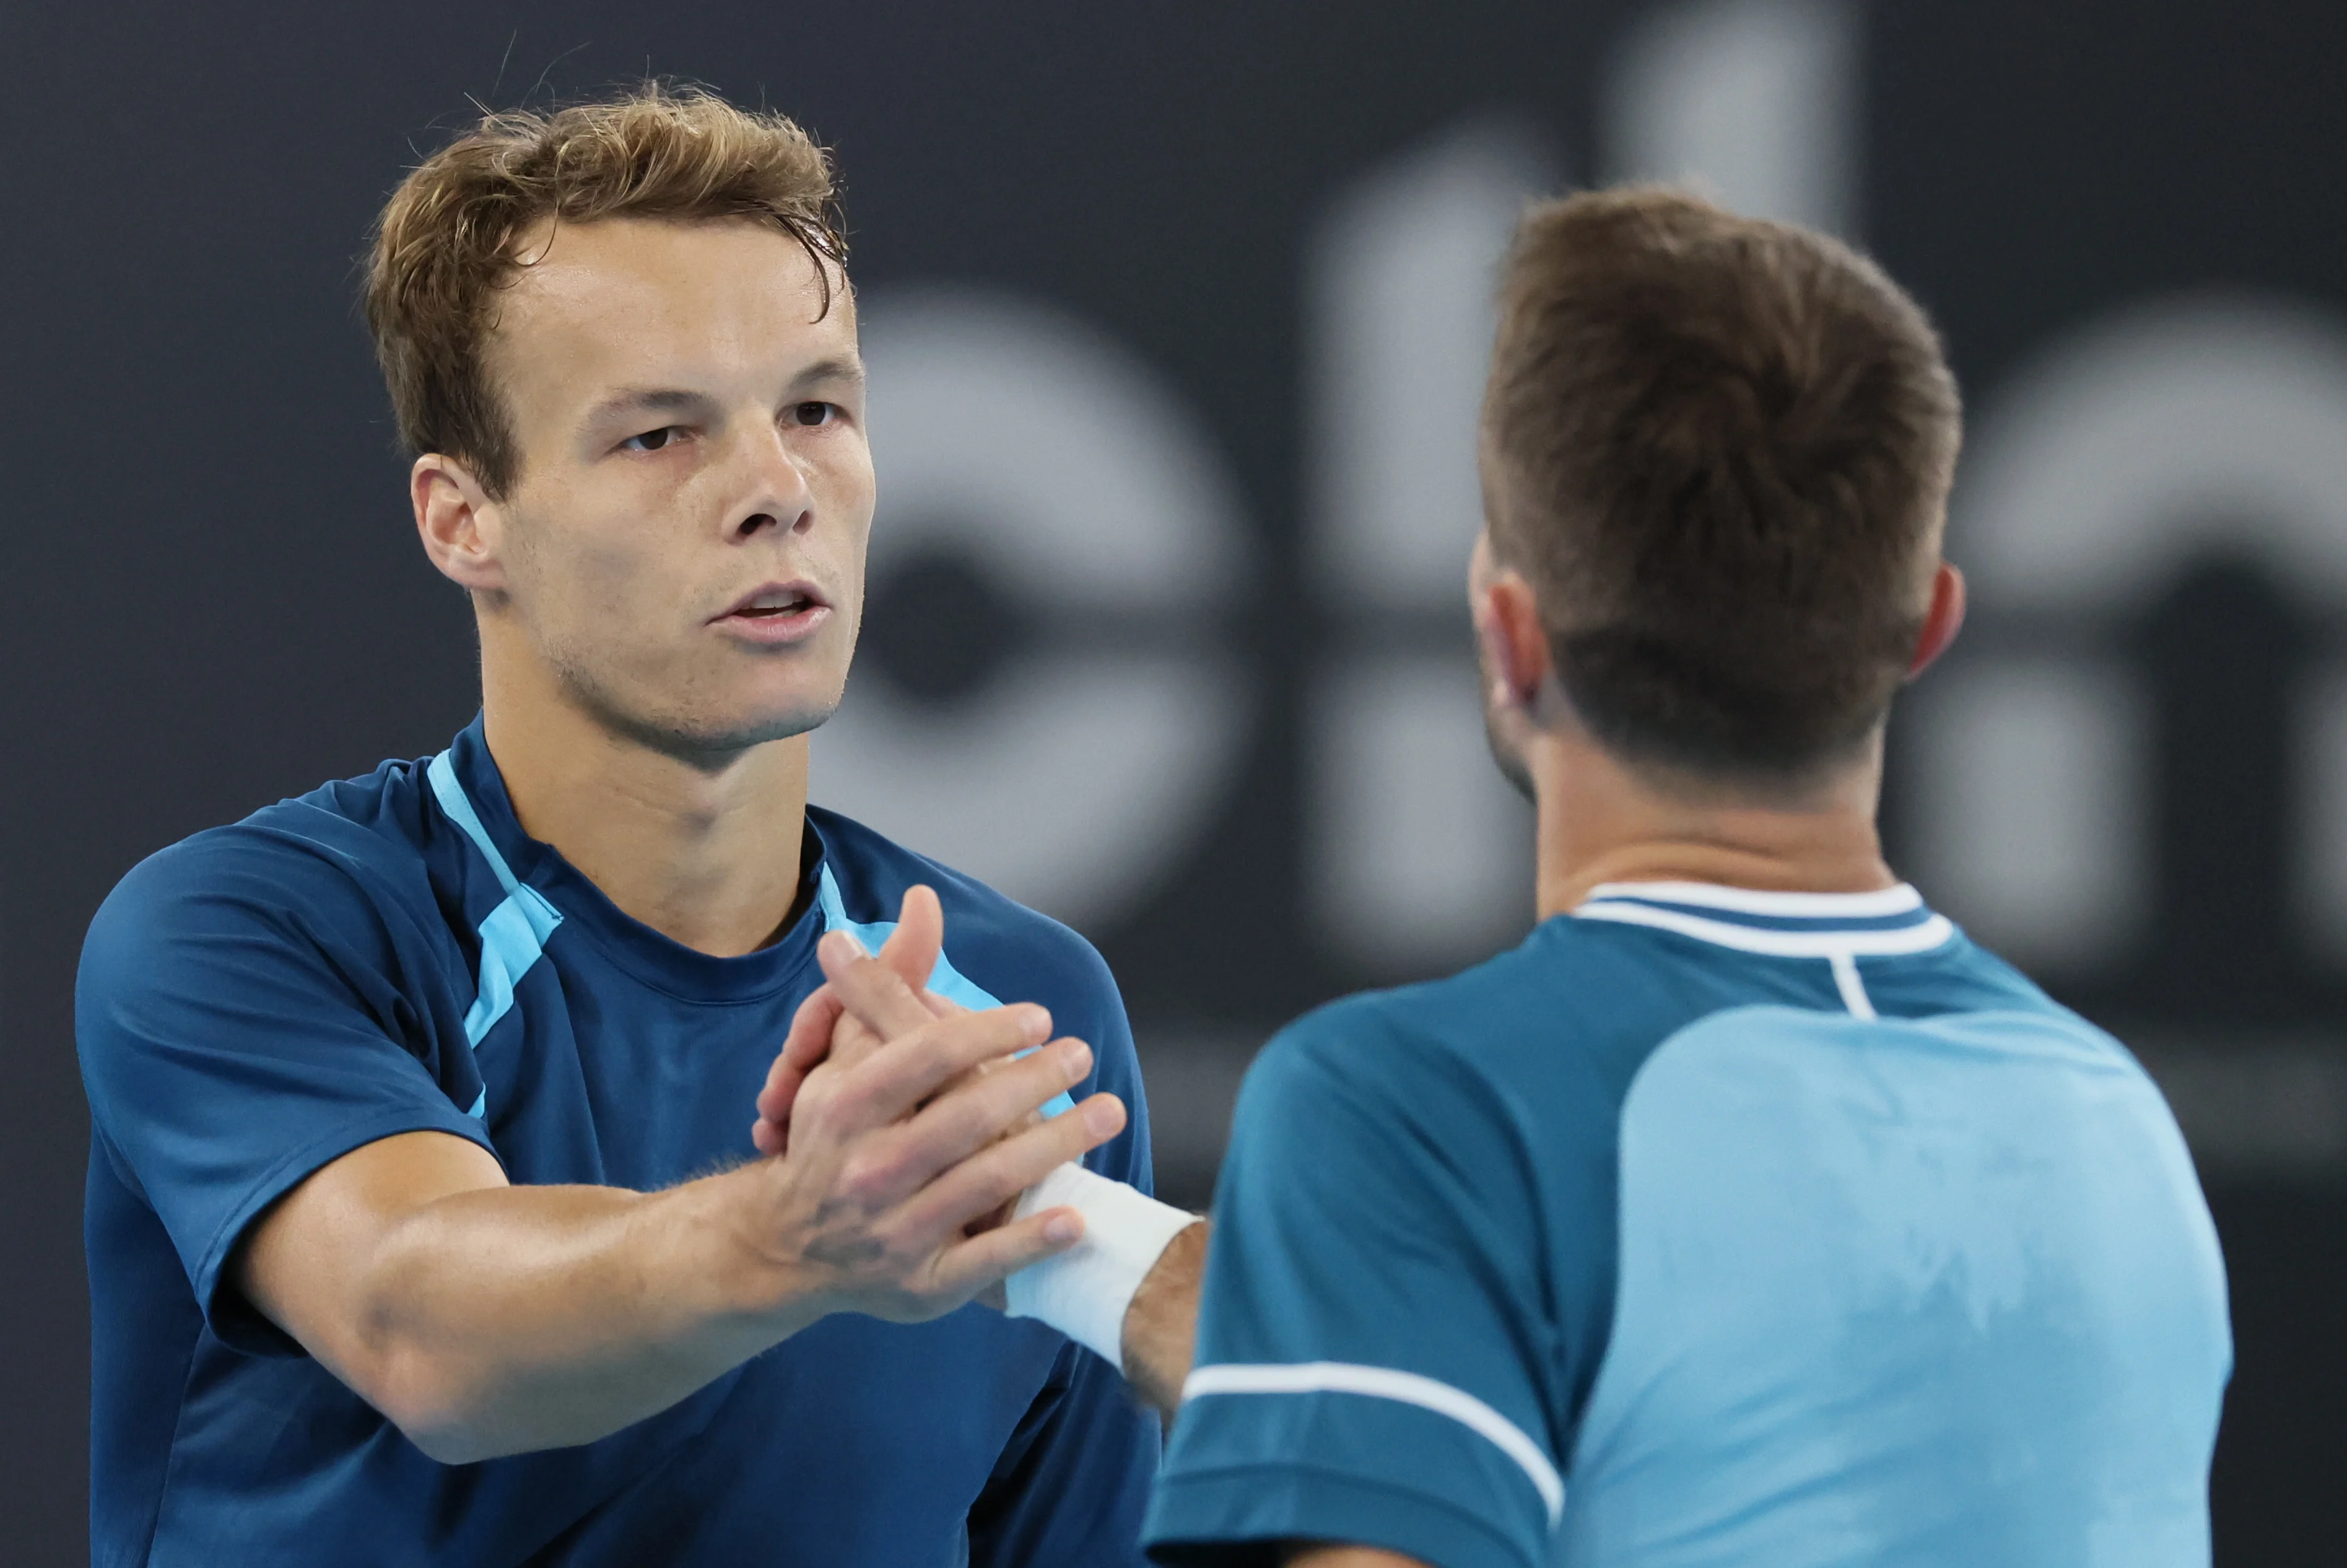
pixel 968 1267
pixel 769 1138
pixel 889 1084
pixel 809 1040
pixel 893 1161
pixel 998 1174
pixel 979 1108
pixel 851 1043
pixel 815 1032
pixel 807 1044
pixel 869 989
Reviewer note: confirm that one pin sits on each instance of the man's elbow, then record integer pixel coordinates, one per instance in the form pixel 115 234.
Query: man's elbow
pixel 453 1444
pixel 434 1407
pixel 458 1414
pixel 435 1404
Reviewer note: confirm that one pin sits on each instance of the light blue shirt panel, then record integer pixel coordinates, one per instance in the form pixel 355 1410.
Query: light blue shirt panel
pixel 514 935
pixel 1902 1293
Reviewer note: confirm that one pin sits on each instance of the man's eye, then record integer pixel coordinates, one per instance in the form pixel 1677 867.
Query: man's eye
pixel 651 440
pixel 813 412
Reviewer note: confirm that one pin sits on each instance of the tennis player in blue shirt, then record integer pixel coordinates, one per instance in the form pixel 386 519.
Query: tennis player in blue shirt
pixel 1748 1213
pixel 425 1222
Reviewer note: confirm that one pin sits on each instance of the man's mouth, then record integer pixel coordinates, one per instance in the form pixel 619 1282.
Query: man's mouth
pixel 786 603
pixel 777 612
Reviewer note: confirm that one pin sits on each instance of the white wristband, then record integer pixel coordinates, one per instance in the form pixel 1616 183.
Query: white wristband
pixel 1083 1291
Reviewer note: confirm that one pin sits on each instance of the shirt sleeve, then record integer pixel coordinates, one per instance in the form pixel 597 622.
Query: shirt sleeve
pixel 1072 1484
pixel 1375 1360
pixel 242 1023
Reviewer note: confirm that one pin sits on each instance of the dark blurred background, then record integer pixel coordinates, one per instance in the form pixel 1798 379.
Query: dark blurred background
pixel 1176 320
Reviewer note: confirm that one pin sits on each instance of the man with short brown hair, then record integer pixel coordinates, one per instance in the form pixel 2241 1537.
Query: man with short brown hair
pixel 1718 452
pixel 405 1095
pixel 1748 1212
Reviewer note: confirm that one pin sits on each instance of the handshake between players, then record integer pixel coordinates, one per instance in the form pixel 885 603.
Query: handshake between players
pixel 972 1183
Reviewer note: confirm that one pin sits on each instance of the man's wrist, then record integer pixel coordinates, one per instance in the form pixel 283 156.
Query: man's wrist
pixel 1161 1325
pixel 1084 1292
pixel 754 1272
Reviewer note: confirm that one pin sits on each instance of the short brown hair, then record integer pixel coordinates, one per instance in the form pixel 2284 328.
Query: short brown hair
pixel 1721 450
pixel 444 244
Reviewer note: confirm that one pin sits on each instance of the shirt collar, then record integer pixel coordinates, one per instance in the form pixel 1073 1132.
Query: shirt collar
pixel 1890 920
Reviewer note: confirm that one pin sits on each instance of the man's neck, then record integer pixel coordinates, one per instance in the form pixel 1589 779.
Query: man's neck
pixel 1601 822
pixel 708 856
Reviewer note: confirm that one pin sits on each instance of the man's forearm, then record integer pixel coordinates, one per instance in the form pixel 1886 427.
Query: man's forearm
pixel 512 1319
pixel 488 1319
pixel 1161 1325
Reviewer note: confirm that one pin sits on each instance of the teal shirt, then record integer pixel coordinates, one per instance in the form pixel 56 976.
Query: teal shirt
pixel 1706 1227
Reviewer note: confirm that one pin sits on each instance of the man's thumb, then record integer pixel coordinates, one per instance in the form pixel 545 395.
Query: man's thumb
pixel 912 949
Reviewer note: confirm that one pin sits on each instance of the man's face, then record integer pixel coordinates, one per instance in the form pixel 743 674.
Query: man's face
pixel 683 547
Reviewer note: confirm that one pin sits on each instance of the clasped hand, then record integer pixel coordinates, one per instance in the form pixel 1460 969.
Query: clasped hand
pixel 905 1128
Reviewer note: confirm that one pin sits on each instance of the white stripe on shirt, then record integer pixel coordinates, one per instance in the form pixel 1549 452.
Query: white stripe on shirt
pixel 1405 1388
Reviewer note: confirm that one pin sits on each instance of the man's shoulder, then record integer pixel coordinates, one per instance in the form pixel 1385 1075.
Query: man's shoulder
pixel 343 849
pixel 991 936
pixel 1572 998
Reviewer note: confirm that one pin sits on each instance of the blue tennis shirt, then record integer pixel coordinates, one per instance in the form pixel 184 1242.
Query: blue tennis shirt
pixel 392 954
pixel 1706 1227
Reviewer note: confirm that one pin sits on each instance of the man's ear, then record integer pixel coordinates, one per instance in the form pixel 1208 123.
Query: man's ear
pixel 460 525
pixel 1508 630
pixel 1942 621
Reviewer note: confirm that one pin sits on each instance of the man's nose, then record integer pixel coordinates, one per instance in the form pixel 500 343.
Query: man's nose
pixel 777 493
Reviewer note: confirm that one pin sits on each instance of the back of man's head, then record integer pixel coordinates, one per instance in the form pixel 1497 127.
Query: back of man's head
pixel 1719 450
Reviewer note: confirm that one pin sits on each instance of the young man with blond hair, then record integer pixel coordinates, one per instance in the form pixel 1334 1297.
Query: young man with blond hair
pixel 1748 1212
pixel 405 1094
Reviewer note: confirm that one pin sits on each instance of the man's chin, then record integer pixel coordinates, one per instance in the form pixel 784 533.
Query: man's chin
pixel 710 739
pixel 745 731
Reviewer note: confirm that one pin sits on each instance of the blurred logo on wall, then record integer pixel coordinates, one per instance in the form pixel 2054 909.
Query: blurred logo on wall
pixel 1058 552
